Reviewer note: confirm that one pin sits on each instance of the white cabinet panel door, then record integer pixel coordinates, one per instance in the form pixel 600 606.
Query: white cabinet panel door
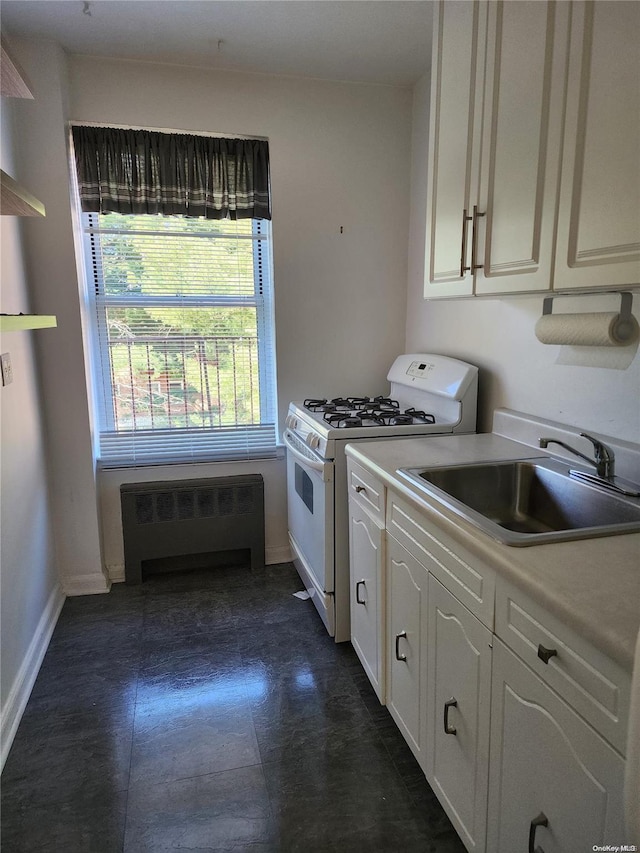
pixel 547 766
pixel 455 120
pixel 458 704
pixel 599 216
pixel 522 132
pixel 406 645
pixel 366 541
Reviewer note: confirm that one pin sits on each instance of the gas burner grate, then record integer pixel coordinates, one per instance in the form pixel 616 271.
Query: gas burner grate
pixel 345 412
pixel 385 403
pixel 351 404
pixel 314 404
pixel 420 416
pixel 400 419
pixel 354 418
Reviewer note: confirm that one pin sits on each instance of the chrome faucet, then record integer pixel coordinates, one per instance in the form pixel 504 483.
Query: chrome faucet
pixel 604 460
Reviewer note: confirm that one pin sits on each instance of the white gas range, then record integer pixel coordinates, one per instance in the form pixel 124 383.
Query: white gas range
pixel 430 394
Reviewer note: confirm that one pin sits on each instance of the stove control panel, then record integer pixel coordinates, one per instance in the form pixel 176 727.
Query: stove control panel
pixel 419 369
pixel 432 374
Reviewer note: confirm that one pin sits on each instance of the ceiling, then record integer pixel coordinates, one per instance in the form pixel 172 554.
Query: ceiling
pixel 369 41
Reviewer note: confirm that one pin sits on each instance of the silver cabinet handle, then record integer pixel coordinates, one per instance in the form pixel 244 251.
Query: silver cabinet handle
pixel 398 636
pixel 474 239
pixel 463 256
pixel 358 599
pixel 541 820
pixel 450 703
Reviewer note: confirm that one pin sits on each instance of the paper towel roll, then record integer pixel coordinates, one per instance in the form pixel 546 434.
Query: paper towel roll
pixel 599 329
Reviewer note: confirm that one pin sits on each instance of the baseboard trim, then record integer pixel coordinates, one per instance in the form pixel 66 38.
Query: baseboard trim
pixel 92 584
pixel 28 672
pixel 116 573
pixel 281 554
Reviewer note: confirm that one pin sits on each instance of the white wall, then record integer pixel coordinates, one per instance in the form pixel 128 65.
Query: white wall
pixel 29 591
pixel 339 158
pixel 592 388
pixel 54 290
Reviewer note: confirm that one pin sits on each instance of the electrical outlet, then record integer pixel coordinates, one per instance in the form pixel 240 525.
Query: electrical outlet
pixel 7 370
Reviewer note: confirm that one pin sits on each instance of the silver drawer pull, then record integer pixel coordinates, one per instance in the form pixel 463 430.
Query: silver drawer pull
pixel 358 599
pixel 450 703
pixel 546 654
pixel 398 637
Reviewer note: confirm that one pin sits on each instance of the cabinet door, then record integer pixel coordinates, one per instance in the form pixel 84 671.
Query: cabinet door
pixel 406 645
pixel 366 542
pixel 547 767
pixel 453 155
pixel 599 216
pixel 522 125
pixel 458 703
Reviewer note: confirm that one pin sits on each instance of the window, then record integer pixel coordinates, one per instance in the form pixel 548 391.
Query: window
pixel 182 314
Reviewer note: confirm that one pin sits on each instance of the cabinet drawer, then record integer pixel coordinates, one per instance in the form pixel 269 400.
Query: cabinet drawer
pixel 366 490
pixel 462 574
pixel 594 685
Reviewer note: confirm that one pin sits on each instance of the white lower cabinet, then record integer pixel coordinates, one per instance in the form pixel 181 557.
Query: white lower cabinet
pixel 458 712
pixel 366 549
pixel 406 645
pixel 520 732
pixel 555 784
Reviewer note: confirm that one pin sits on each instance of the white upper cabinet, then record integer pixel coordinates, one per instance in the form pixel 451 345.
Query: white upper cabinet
pixel 522 131
pixel 455 121
pixel 599 216
pixel 534 177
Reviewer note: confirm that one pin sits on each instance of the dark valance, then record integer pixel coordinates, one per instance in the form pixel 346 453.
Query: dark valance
pixel 143 171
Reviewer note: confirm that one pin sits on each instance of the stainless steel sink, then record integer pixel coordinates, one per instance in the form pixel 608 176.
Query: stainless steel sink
pixel 528 501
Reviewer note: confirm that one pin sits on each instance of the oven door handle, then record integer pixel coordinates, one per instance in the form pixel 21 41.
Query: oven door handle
pixel 317 464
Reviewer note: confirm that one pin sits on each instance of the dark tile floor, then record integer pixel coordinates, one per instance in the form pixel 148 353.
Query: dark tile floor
pixel 210 711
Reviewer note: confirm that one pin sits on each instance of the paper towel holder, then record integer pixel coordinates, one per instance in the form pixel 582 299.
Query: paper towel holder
pixel 589 328
pixel 626 301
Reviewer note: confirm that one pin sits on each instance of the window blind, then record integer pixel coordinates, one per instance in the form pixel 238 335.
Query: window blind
pixel 184 349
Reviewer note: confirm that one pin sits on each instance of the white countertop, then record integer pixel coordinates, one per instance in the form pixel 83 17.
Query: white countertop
pixel 592 585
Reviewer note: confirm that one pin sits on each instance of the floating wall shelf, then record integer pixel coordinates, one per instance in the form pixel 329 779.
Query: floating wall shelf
pixel 16 201
pixel 19 322
pixel 13 82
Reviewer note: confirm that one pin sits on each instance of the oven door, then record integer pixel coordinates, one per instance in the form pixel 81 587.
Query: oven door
pixel 311 504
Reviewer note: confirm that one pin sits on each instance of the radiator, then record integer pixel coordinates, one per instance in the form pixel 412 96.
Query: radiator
pixel 178 518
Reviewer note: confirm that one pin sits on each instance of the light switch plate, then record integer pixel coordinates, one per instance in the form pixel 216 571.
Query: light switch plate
pixel 7 371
